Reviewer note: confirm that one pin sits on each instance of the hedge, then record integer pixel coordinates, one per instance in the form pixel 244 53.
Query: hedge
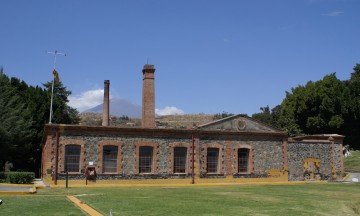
pixel 17 177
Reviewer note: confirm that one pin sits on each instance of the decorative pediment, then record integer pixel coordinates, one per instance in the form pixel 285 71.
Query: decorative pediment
pixel 238 123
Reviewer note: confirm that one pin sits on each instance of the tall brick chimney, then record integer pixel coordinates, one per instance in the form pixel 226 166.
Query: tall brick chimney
pixel 148 97
pixel 106 115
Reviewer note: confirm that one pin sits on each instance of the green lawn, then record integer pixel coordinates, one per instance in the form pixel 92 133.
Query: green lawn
pixel 352 163
pixel 37 205
pixel 309 199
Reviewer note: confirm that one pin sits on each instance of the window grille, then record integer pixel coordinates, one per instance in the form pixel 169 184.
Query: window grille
pixel 72 158
pixel 110 158
pixel 180 159
pixel 212 160
pixel 145 159
pixel 243 160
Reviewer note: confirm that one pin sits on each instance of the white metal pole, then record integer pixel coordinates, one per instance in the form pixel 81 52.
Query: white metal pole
pixel 51 102
pixel 53 82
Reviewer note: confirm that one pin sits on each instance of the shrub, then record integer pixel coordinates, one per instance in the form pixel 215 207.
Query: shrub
pixel 2 176
pixel 17 177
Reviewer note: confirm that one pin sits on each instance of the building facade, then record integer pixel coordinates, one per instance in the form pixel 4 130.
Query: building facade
pixel 234 149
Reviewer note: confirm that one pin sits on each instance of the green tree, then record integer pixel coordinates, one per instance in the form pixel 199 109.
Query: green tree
pixel 317 107
pixel 325 106
pixel 23 112
pixel 222 115
pixel 16 129
pixel 264 115
pixel 270 117
pixel 62 113
pixel 352 118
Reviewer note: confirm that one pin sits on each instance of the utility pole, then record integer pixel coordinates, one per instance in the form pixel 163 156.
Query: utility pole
pixel 55 53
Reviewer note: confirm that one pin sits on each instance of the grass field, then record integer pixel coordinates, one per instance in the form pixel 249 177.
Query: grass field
pixel 308 199
pixel 352 163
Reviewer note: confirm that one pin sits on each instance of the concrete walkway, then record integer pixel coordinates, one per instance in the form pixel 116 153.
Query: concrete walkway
pixel 39 183
pixel 17 189
pixel 21 188
pixel 352 177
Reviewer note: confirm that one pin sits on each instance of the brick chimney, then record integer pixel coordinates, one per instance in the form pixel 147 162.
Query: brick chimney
pixel 106 116
pixel 148 97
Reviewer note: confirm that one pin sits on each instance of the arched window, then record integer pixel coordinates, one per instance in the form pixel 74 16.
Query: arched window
pixel 180 159
pixel 212 160
pixel 72 158
pixel 110 154
pixel 243 160
pixel 145 159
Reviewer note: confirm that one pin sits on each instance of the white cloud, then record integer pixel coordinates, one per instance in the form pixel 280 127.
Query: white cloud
pixel 87 100
pixel 169 110
pixel 92 98
pixel 332 14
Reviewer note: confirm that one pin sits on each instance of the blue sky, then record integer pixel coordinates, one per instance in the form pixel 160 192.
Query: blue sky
pixel 210 56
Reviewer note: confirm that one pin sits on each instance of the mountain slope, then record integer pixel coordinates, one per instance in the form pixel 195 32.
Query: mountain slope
pixel 119 107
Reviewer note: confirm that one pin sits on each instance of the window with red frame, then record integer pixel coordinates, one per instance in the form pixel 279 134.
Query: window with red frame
pixel 243 160
pixel 72 158
pixel 180 159
pixel 110 158
pixel 145 159
pixel 212 160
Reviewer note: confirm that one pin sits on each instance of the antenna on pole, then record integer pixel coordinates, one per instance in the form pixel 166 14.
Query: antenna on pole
pixel 55 53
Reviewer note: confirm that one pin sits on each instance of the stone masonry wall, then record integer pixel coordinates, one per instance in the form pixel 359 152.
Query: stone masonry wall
pixel 298 151
pixel 338 152
pixel 162 169
pixel 265 155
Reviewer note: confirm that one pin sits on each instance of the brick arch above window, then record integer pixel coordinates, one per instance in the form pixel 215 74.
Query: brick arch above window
pixel 220 160
pixel 188 155
pixel 236 156
pixel 154 159
pixel 101 145
pixel 66 142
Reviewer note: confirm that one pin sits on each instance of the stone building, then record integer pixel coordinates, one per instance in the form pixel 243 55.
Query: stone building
pixel 234 149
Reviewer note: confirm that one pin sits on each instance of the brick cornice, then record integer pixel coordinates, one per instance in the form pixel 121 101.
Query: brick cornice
pixel 156 132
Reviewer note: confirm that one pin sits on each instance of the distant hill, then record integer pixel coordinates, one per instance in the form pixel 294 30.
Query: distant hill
pixel 119 107
pixel 169 121
pixel 183 121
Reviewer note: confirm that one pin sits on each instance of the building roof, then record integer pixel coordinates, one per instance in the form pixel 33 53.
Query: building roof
pixel 239 122
pixel 318 137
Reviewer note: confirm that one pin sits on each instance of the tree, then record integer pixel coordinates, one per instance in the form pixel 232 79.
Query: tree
pixel 317 107
pixel 352 118
pixel 23 112
pixel 326 106
pixel 62 113
pixel 16 129
pixel 264 115
pixel 270 117
pixel 222 115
